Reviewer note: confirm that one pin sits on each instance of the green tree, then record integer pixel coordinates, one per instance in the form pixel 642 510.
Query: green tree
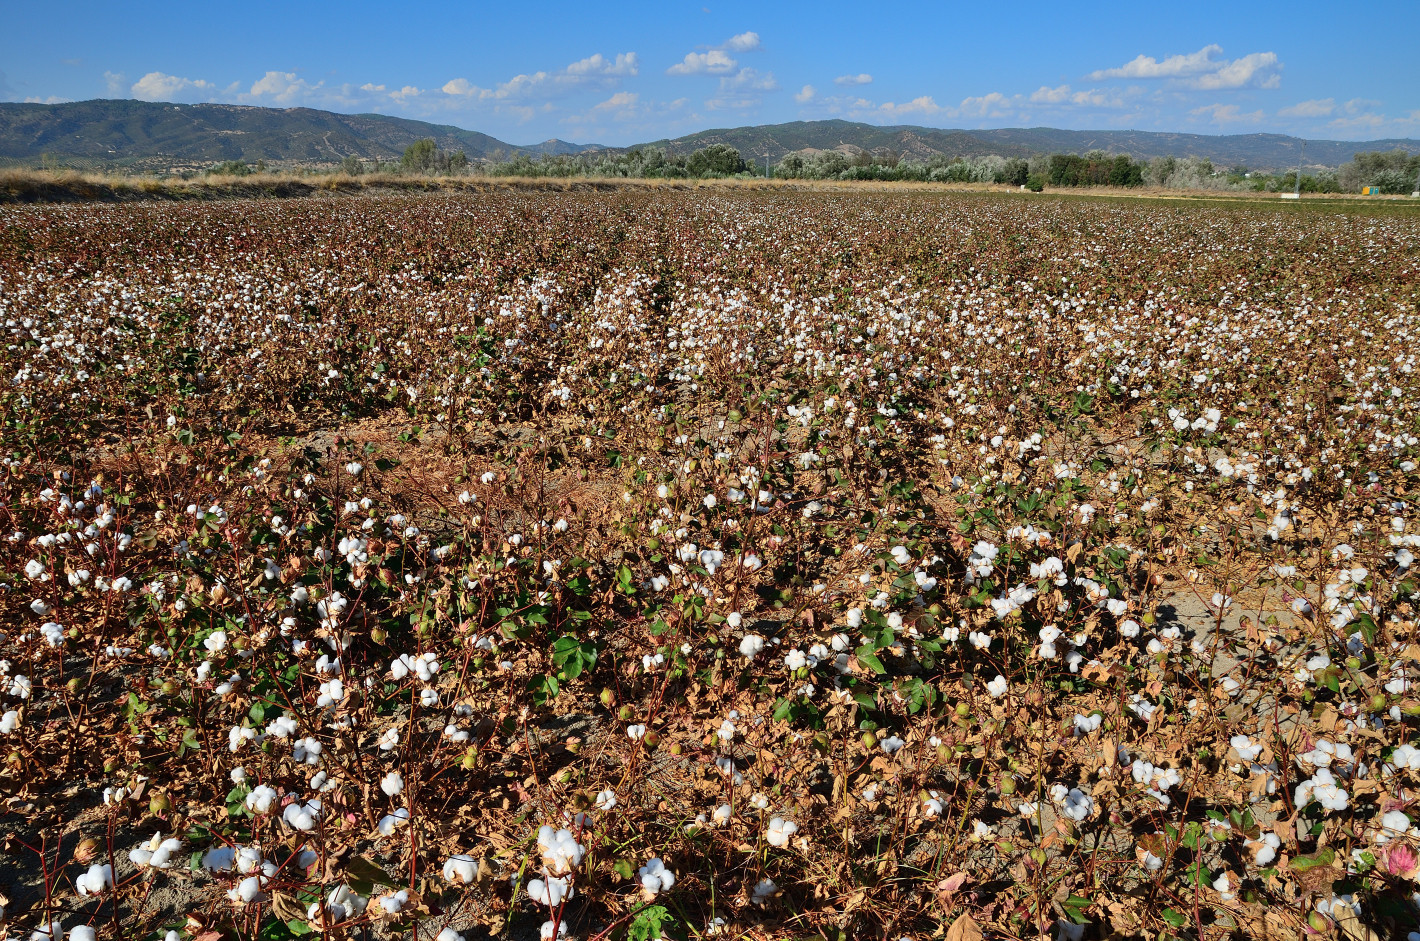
pixel 715 160
pixel 419 157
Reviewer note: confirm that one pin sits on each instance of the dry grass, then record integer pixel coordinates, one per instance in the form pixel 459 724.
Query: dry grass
pixel 68 186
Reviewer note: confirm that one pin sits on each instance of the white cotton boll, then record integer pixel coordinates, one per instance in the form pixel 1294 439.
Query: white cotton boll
pixel 997 687
pixel 10 721
pixel 216 641
pixel 891 744
pixel 721 816
pixel 606 799
pixel 392 821
pixel 302 816
pixel 779 832
pixel 392 783
pixel 551 891
pixel 550 931
pixel 764 890
pixel 392 902
pixel 461 869
pixel 247 891
pixel 655 877
pixel 95 881
pixel 636 732
pixel 354 468
pixel 82 933
pixel 448 934
pixel 1264 849
pixel 932 806
pixel 260 799
pixel 751 646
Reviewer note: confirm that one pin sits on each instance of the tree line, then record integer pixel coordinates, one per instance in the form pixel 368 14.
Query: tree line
pixel 1393 171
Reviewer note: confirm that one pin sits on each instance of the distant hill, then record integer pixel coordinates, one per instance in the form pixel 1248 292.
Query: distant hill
pixel 160 135
pixel 1255 151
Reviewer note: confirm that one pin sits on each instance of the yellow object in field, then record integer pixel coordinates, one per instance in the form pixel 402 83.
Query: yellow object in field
pixel 1370 191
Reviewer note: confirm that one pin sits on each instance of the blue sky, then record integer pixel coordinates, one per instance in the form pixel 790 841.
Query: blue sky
pixel 618 73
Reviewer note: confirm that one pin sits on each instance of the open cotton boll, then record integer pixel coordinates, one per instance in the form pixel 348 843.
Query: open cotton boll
pixel 779 831
pixel 655 877
pixel 81 933
pixel 247 891
pixel 392 902
pixel 392 821
pixel 461 869
pixel 552 891
pixel 392 783
pixel 448 934
pixel 96 880
pixel 751 646
pixel 302 816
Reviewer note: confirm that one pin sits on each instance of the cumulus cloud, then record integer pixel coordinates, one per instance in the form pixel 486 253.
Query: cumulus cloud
pixel 116 82
pixel 921 105
pixel 1227 114
pixel 159 86
pixel 1045 95
pixel 1315 108
pixel 592 71
pixel 862 78
pixel 805 95
pixel 712 62
pixel 993 105
pixel 282 88
pixel 1201 69
pixel 599 65
pixel 716 60
pixel 744 42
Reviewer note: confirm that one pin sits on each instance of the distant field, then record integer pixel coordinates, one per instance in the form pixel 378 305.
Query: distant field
pixel 746 561
pixel 40 186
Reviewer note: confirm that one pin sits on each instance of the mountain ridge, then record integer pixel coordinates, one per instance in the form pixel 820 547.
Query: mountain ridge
pixel 163 135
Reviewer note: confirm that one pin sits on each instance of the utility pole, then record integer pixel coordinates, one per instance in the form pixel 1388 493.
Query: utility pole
pixel 1417 186
pixel 1300 157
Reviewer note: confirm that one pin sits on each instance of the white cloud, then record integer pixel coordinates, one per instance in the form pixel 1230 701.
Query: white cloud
pixel 1094 98
pixel 920 105
pixel 993 105
pixel 592 71
pixel 713 62
pixel 284 88
pixel 863 78
pixel 115 82
pixel 1258 68
pixel 1201 69
pixel 1173 67
pixel 748 79
pixel 599 65
pixel 1227 114
pixel 744 42
pixel 159 86
pixel 1045 95
pixel 805 95
pixel 51 100
pixel 1315 108
pixel 622 106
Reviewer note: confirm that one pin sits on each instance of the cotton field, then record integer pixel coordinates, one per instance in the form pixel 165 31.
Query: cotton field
pixel 709 564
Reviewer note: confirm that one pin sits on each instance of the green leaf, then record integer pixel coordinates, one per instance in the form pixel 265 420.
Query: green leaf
pixel 1322 857
pixel 622 867
pixel 364 874
pixel 652 923
pixel 1174 918
pixel 868 657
